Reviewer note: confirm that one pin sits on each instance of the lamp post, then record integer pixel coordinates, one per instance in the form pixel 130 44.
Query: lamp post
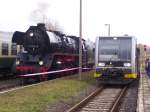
pixel 108 28
pixel 80 41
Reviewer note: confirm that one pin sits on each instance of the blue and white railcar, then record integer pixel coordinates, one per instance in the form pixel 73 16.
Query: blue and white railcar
pixel 116 59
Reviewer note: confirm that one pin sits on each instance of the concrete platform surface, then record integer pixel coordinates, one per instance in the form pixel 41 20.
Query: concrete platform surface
pixel 143 104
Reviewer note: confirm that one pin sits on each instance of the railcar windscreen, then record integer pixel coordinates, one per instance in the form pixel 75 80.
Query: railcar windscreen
pixel 118 49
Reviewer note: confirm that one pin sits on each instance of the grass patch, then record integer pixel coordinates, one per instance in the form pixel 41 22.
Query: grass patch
pixel 37 98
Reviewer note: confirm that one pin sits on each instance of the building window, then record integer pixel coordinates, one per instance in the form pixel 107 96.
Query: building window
pixel 4 48
pixel 13 49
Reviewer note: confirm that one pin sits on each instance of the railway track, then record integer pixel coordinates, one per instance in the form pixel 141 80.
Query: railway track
pixel 10 83
pixel 105 99
pixel 14 83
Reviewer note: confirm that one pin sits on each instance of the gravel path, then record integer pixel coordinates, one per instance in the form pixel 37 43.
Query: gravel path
pixel 129 103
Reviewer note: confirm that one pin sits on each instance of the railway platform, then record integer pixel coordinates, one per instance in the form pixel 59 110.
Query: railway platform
pixel 143 104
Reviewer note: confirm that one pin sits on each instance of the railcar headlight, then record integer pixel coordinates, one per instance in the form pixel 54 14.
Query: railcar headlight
pixel 17 62
pixel 127 64
pixel 101 64
pixel 41 62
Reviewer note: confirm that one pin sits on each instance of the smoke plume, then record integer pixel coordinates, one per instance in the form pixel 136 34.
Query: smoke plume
pixel 39 15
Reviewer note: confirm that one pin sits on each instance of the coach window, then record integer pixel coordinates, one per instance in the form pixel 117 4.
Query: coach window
pixel 13 49
pixel 4 49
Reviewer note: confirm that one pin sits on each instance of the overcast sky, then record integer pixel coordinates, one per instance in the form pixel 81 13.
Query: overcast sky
pixel 130 17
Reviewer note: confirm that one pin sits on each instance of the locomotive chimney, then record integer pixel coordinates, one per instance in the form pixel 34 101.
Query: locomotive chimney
pixel 42 26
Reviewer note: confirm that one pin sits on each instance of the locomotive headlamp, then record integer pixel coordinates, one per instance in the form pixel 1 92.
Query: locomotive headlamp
pixel 127 64
pixel 59 62
pixel 101 64
pixel 41 62
pixel 17 62
pixel 31 34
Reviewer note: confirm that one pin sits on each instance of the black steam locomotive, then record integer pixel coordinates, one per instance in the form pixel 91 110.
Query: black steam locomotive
pixel 44 51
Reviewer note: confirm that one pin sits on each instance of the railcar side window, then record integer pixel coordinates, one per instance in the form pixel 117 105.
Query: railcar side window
pixel 4 48
pixel 13 49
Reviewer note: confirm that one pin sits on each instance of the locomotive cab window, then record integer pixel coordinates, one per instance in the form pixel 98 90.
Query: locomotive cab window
pixel 13 49
pixel 5 48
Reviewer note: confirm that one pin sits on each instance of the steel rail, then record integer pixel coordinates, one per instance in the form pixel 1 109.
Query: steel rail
pixel 118 100
pixel 85 101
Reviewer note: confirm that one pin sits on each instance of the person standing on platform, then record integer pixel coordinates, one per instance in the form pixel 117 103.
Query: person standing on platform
pixel 148 68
